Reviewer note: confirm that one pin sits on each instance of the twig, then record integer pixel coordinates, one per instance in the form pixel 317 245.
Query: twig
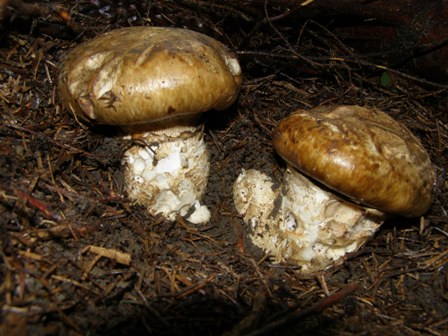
pixel 266 20
pixel 37 9
pixel 119 257
pixel 270 328
pixel 194 288
pixel 38 204
pixel 295 56
pixel 45 137
pixel 253 318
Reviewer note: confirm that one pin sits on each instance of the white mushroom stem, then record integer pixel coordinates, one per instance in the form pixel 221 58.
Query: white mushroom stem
pixel 301 223
pixel 167 171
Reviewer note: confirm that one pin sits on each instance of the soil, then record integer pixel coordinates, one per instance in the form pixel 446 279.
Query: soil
pixel 79 258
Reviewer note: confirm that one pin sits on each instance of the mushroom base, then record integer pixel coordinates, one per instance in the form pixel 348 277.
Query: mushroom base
pixel 301 223
pixel 167 171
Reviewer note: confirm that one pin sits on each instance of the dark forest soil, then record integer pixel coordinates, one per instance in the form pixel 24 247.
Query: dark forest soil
pixel 62 196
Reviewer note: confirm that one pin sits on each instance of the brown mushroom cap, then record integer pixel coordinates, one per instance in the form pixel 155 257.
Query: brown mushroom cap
pixel 361 153
pixel 140 74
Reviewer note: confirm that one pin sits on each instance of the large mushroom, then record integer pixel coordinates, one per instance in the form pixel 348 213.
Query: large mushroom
pixel 348 169
pixel 155 82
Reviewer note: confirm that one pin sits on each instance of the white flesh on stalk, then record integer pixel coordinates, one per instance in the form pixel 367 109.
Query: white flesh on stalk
pixel 168 171
pixel 254 197
pixel 309 226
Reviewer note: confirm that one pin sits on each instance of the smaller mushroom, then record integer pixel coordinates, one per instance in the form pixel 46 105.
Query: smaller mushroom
pixel 154 83
pixel 348 169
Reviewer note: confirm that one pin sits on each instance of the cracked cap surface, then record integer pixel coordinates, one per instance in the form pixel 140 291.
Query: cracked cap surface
pixel 361 153
pixel 139 74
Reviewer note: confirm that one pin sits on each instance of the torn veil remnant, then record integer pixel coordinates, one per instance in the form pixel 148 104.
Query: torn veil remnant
pixel 154 83
pixel 348 168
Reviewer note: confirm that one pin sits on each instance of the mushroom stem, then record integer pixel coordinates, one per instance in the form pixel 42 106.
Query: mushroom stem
pixel 318 228
pixel 306 224
pixel 167 169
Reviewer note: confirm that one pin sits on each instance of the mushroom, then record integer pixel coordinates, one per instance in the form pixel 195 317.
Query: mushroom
pixel 348 169
pixel 154 83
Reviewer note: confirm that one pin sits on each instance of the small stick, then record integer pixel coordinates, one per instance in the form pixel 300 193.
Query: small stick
pixel 39 205
pixel 194 288
pixel 37 9
pixel 270 328
pixel 119 257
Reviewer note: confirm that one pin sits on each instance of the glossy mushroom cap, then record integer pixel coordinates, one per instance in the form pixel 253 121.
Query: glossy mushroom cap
pixel 142 74
pixel 361 153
